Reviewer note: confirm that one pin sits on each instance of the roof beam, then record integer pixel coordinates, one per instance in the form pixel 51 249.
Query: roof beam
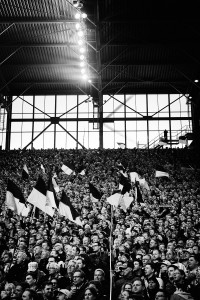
pixel 36 21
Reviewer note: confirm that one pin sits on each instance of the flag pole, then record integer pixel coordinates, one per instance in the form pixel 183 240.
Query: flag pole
pixel 111 230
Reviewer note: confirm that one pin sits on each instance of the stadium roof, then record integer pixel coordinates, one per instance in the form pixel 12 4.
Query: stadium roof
pixel 133 47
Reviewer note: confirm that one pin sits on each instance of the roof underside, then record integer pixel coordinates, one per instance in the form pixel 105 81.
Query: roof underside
pixel 132 47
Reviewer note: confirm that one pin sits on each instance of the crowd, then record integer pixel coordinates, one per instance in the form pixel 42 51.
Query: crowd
pixel 149 251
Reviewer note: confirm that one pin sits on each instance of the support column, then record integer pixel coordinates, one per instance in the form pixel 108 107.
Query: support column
pixel 100 95
pixel 195 106
pixel 8 126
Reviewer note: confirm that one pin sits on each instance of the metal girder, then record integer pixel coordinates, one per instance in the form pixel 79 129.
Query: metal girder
pixel 105 120
pixel 36 21
pixel 2 32
pixel 71 135
pixel 36 136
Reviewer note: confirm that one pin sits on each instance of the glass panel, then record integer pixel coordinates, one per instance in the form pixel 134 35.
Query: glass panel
pixel 61 138
pixel 131 107
pixel 108 140
pixel 50 105
pixel 108 107
pixel 49 140
pixel 118 106
pixel 15 142
pixel 131 139
pixel 26 139
pixel 163 106
pixel 39 107
pixel 61 105
pixel 119 125
pixel 72 106
pixel 108 127
pixel 93 140
pixel 131 125
pixel 17 108
pixel 141 104
pixel 85 110
pixel 153 104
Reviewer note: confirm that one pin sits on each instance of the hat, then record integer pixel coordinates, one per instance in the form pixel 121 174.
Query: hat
pixel 64 291
pixel 32 266
pixel 165 262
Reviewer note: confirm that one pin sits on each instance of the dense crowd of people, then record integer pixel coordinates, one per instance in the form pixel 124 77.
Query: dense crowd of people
pixel 150 251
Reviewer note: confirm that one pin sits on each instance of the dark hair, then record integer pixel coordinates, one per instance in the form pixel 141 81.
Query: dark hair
pixel 33 274
pixel 46 283
pixel 32 293
pixel 92 290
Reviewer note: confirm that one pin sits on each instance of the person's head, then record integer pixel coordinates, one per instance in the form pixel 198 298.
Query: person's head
pixel 160 295
pixel 62 294
pixel 156 255
pixel 6 257
pixel 137 286
pixel 99 275
pixel 124 295
pixel 29 294
pixel 153 284
pixel 149 270
pixel 32 266
pixel 146 259
pixel 9 289
pixel 179 275
pixel 53 268
pixel 47 290
pixel 78 278
pixel 80 263
pixel 193 262
pixel 90 293
pixel 54 281
pixel 127 287
pixel 170 272
pixel 19 289
pixel 71 266
pixel 31 279
pixel 21 257
pixel 137 264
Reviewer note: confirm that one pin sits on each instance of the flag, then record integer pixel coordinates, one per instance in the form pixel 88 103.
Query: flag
pixel 125 202
pixel 67 168
pixel 143 183
pixel 81 170
pixel 56 187
pixel 43 169
pixel 114 198
pixel 121 145
pixel 124 184
pixel 15 199
pixel 138 195
pixel 161 172
pixel 25 173
pixel 51 195
pixel 95 194
pixel 38 197
pixel 134 176
pixel 67 210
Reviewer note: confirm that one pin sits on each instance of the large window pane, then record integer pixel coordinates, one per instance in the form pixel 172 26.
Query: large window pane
pixel 108 107
pixel 131 111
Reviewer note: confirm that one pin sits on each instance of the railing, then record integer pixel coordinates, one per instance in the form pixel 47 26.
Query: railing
pixel 174 136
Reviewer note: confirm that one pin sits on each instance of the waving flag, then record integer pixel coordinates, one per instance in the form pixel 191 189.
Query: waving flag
pixel 161 172
pixel 38 197
pixel 25 173
pixel 95 194
pixel 67 168
pixel 51 195
pixel 15 199
pixel 67 210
